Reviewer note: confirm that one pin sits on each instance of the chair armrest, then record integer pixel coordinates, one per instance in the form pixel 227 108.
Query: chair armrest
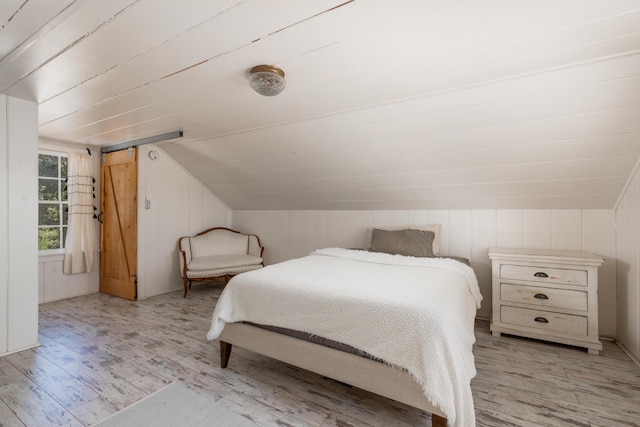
pixel 255 248
pixel 185 254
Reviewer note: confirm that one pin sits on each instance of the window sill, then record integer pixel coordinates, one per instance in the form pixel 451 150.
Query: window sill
pixel 53 255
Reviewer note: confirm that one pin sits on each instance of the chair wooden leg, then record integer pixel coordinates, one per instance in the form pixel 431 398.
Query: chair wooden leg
pixel 187 285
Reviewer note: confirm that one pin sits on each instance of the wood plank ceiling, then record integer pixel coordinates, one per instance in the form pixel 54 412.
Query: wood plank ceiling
pixel 424 104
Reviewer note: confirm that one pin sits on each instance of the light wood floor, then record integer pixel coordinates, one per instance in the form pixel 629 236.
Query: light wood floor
pixel 100 354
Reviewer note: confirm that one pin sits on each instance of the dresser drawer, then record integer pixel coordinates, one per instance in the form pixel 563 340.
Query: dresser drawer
pixel 543 274
pixel 544 320
pixel 544 297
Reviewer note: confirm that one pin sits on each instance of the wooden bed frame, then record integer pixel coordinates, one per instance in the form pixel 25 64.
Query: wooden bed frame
pixel 355 370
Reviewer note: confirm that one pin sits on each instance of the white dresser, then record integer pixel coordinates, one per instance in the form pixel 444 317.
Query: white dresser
pixel 547 295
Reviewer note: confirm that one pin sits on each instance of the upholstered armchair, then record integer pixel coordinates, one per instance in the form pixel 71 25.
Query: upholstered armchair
pixel 218 252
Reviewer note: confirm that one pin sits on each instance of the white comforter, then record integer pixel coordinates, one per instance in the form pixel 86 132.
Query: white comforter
pixel 413 313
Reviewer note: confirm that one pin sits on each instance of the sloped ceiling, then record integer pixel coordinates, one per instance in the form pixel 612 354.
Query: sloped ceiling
pixel 423 104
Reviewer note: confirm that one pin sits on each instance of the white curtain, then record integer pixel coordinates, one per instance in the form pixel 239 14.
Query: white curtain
pixel 81 243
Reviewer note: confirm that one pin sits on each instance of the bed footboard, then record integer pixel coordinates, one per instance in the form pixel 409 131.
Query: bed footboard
pixel 358 371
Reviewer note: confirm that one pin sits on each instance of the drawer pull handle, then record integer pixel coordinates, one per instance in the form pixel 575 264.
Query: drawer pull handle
pixel 541 274
pixel 541 296
pixel 541 320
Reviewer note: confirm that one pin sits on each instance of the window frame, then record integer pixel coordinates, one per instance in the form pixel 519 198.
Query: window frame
pixel 63 204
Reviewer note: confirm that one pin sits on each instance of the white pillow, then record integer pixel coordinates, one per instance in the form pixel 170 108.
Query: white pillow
pixel 436 228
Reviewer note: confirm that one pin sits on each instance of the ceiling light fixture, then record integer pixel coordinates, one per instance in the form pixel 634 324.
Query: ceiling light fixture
pixel 267 80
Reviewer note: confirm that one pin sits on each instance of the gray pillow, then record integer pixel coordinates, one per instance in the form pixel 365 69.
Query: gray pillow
pixel 409 242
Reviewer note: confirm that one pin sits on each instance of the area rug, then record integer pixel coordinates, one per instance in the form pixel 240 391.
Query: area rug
pixel 176 405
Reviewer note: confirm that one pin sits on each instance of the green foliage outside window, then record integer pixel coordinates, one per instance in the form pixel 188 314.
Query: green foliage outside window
pixel 52 201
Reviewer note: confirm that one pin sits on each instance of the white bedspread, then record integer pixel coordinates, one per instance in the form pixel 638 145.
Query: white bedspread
pixel 413 313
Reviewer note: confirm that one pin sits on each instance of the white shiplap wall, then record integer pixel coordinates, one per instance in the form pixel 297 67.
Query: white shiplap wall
pixel 18 224
pixel 466 233
pixel 628 265
pixel 179 206
pixel 54 285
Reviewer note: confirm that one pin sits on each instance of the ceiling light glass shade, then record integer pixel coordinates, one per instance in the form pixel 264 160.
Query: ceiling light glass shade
pixel 267 80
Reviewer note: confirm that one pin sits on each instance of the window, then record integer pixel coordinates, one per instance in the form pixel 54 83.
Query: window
pixel 52 201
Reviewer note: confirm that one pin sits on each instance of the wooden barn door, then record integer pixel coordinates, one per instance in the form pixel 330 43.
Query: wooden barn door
pixel 119 233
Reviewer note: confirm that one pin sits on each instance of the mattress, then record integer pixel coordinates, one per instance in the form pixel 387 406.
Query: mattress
pixel 317 340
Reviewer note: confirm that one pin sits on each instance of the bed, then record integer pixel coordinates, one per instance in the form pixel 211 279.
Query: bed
pixel 413 317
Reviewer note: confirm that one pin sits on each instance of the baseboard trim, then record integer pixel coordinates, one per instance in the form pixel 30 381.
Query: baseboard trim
pixel 632 356
pixel 17 350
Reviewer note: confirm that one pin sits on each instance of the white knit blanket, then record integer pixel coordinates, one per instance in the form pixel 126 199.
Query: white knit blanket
pixel 414 313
